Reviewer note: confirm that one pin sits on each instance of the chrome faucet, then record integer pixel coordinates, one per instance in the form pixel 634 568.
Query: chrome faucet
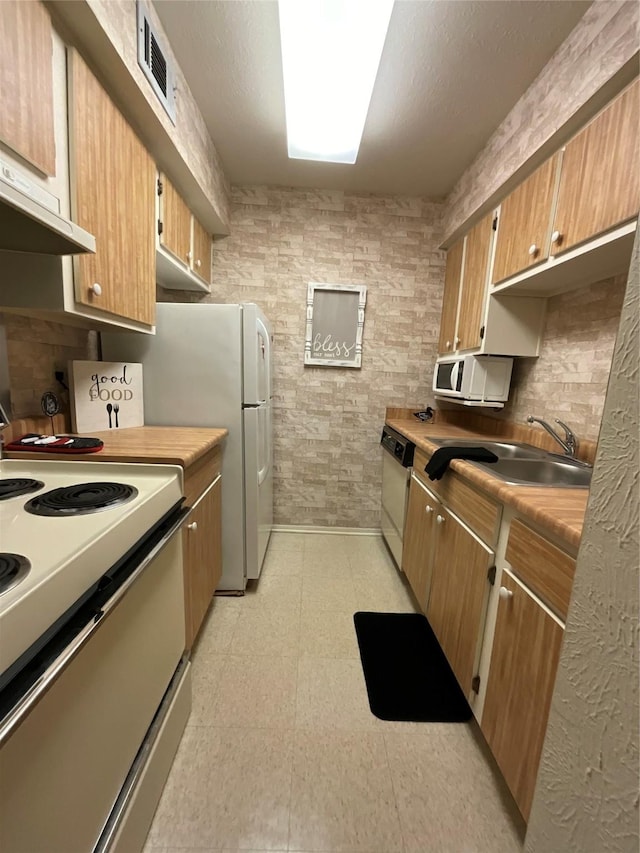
pixel 569 444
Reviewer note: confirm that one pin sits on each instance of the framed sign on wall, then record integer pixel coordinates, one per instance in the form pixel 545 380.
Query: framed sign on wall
pixel 105 395
pixel 335 320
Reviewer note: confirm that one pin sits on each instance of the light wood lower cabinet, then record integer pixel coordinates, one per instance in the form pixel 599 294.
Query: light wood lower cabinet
pixel 416 545
pixel 202 557
pixel 459 593
pixel 524 660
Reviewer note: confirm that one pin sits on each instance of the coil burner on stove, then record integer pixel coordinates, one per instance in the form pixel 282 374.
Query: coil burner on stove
pixel 81 499
pixel 13 568
pixel 13 487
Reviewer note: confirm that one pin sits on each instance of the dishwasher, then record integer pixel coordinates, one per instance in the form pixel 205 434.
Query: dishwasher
pixel 397 459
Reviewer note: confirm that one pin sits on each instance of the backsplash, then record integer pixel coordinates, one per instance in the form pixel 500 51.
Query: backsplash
pixel 35 350
pixel 569 378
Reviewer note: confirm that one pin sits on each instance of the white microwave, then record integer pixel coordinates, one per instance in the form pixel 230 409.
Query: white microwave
pixel 473 377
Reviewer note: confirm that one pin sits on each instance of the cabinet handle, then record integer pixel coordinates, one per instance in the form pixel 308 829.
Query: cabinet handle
pixel 533 250
pixel 556 237
pixel 198 263
pixel 192 526
pixel 428 509
pixel 188 256
pixel 439 519
pixel 456 342
pixel 505 593
pixel 448 345
pixel 96 289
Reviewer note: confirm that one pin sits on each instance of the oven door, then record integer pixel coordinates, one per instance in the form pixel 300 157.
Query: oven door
pixel 64 763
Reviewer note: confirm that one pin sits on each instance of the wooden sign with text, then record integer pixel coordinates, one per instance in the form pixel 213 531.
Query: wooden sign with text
pixel 105 395
pixel 335 321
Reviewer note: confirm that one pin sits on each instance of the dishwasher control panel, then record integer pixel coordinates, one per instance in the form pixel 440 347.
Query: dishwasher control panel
pixel 398 446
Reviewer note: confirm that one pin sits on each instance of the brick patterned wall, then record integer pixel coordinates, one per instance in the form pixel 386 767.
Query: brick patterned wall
pixel 35 350
pixel 327 421
pixel 569 379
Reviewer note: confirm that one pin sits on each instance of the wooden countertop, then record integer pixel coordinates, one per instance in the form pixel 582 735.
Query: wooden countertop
pixel 170 445
pixel 561 511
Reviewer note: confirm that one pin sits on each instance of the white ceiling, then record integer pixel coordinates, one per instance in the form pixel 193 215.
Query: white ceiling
pixel 451 70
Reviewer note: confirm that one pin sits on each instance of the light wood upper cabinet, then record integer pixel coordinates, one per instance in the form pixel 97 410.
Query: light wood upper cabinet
pixel 452 276
pixel 474 283
pixel 176 221
pixel 459 594
pixel 416 546
pixel 112 197
pixel 600 177
pixel 524 223
pixel 26 83
pixel 201 261
pixel 202 555
pixel 524 660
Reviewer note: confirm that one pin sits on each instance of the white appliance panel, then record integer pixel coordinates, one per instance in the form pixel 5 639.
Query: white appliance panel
pixel 258 485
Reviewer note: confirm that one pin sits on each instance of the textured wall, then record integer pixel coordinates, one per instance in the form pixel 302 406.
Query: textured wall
pixel 327 421
pixel 35 349
pixel 569 378
pixel 587 793
pixel 604 40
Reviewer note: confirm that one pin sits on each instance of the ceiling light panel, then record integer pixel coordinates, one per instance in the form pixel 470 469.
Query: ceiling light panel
pixel 331 51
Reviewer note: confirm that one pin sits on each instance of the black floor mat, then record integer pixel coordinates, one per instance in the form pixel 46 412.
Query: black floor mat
pixel 408 677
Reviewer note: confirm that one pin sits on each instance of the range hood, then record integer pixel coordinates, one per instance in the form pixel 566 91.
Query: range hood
pixel 30 219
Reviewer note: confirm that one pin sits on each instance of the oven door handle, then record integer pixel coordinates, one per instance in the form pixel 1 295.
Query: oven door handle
pixel 27 702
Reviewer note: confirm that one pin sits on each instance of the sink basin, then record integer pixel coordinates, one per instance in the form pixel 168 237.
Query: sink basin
pixel 540 472
pixel 502 449
pixel 523 465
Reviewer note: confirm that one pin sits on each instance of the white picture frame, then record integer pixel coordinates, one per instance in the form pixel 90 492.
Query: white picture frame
pixel 335 323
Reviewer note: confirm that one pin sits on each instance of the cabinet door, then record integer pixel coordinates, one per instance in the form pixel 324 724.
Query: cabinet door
pixel 176 222
pixel 524 223
pixel 524 660
pixel 202 558
pixel 26 83
pixel 452 274
pixel 416 545
pixel 600 176
pixel 113 197
pixel 201 261
pixel 459 588
pixel 474 283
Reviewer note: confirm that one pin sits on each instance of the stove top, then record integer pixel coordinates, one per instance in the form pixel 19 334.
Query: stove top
pixel 13 567
pixel 81 499
pixel 13 487
pixel 68 553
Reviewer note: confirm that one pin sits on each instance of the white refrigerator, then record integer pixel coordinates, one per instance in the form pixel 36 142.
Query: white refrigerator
pixel 210 366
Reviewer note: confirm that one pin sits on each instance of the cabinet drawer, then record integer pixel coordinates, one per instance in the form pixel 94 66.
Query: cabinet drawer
pixel 200 475
pixel 543 567
pixel 476 509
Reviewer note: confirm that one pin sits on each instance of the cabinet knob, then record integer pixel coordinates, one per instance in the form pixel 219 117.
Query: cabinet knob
pixel 192 526
pixel 505 593
pixel 96 289
pixel 428 509
pixel 556 237
pixel 198 263
pixel 439 519
pixel 533 250
pixel 188 256
pixel 456 341
pixel 448 344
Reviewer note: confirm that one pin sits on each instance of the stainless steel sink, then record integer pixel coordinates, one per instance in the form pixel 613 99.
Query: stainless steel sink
pixel 540 472
pixel 522 465
pixel 502 449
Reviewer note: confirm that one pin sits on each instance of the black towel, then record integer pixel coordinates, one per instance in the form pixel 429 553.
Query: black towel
pixel 439 462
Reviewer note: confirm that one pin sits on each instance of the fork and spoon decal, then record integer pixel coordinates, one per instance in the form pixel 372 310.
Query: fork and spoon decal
pixel 115 409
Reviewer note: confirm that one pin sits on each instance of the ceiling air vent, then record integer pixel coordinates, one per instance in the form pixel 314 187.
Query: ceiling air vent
pixel 153 61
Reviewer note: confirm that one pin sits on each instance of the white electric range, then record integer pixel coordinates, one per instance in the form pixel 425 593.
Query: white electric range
pixel 92 660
